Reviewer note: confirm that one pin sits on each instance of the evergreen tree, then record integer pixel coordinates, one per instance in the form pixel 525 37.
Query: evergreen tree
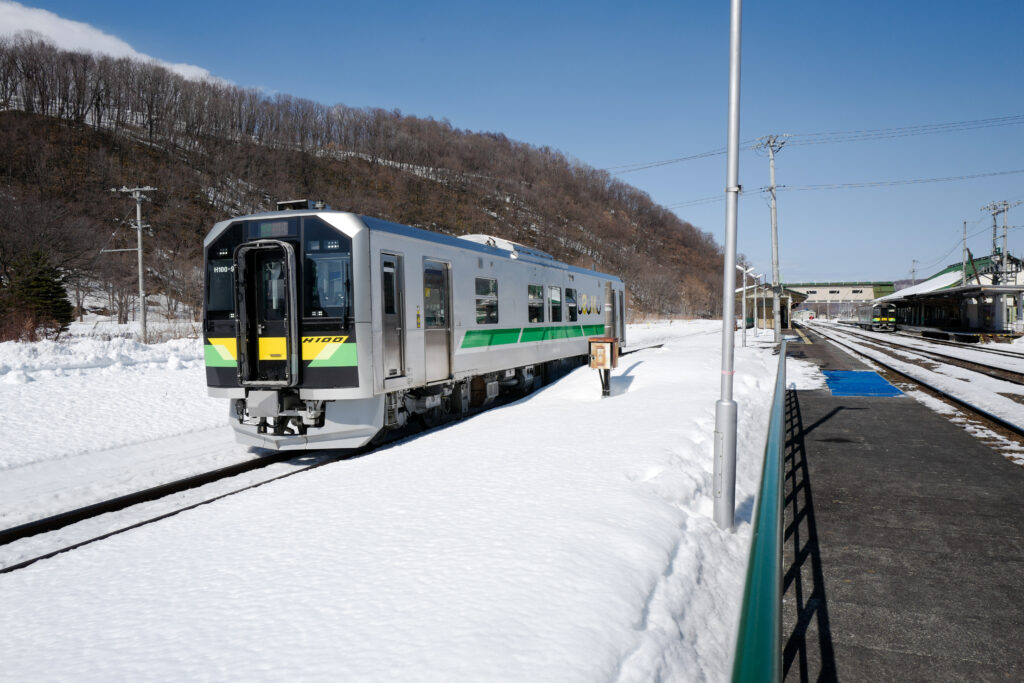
pixel 36 293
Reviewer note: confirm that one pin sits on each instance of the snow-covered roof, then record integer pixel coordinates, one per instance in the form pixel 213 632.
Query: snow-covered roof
pixel 941 281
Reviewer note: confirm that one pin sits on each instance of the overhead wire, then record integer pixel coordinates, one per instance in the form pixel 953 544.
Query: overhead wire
pixel 890 183
pixel 837 136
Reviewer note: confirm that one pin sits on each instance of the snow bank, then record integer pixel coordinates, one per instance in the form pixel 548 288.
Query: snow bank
pixel 63 399
pixel 565 537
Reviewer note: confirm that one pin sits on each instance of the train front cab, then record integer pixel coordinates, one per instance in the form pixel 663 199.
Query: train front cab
pixel 883 317
pixel 282 330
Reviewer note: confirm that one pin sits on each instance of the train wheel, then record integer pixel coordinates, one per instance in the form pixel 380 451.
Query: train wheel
pixel 433 417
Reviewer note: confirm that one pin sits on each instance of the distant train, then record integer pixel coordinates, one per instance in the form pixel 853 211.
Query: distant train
pixel 879 317
pixel 325 328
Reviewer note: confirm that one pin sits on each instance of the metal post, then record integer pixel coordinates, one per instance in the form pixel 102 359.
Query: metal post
pixel 757 316
pixel 744 314
pixel 776 289
pixel 724 474
pixel 1005 256
pixel 755 278
pixel 963 269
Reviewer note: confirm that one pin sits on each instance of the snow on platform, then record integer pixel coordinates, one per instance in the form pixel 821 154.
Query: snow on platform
pixel 564 537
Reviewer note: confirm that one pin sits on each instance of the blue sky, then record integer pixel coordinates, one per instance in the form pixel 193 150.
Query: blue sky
pixel 611 84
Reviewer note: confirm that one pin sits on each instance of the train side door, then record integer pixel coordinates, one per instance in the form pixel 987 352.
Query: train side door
pixel 392 315
pixel 267 324
pixel 436 320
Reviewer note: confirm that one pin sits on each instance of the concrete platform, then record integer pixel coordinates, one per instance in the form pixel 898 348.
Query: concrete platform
pixel 904 542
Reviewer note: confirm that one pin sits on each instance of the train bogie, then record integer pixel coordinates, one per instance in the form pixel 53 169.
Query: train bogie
pixel 324 328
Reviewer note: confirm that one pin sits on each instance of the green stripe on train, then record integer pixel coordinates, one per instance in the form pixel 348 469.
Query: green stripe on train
pixel 482 338
pixel 344 356
pixel 533 334
pixel 477 338
pixel 215 360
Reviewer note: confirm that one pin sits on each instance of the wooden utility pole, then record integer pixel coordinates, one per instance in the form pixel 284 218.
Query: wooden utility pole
pixel 137 193
pixel 773 143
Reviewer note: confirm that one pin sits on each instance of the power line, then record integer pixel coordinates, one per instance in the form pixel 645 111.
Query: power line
pixel 837 136
pixel 890 183
pixel 906 131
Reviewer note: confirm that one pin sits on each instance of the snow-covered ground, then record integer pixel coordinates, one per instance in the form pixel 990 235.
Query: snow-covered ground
pixel 564 537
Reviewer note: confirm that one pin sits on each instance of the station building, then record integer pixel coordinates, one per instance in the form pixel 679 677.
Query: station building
pixel 837 299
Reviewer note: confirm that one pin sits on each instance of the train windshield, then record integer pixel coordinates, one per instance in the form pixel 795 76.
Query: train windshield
pixel 220 274
pixel 328 271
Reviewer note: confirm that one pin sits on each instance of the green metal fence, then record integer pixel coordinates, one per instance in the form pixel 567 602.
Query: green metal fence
pixel 759 645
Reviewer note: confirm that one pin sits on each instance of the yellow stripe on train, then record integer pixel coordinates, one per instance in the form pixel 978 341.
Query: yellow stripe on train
pixel 313 348
pixel 226 347
pixel 273 348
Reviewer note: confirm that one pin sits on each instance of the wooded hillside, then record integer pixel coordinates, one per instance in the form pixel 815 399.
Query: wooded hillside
pixel 74 125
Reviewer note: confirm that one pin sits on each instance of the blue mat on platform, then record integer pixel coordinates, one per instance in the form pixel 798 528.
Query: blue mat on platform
pixel 850 383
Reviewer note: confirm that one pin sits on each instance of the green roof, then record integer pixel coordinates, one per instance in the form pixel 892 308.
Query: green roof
pixel 837 284
pixel 981 264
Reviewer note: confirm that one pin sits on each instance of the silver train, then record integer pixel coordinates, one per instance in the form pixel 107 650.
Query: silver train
pixel 880 317
pixel 326 329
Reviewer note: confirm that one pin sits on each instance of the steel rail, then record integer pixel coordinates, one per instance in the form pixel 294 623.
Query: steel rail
pixel 961 345
pixel 63 519
pixel 1015 376
pixel 172 513
pixel 1013 427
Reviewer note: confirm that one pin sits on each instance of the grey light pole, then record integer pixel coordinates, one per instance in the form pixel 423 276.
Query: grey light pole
pixel 744 323
pixel 724 471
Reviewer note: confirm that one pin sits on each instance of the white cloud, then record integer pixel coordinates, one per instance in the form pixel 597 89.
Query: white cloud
pixel 75 35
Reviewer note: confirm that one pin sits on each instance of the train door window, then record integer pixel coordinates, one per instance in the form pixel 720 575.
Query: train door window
pixel 570 305
pixel 389 289
pixel 435 314
pixel 486 301
pixel 555 296
pixel 273 304
pixel 535 303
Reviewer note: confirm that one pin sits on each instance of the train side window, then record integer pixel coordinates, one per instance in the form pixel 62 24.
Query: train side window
pixel 570 305
pixel 555 296
pixel 486 301
pixel 535 303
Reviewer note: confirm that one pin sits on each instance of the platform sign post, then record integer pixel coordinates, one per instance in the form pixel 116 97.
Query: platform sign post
pixel 724 473
pixel 604 357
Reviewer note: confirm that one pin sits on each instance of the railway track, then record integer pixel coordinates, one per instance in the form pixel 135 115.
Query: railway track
pixel 962 345
pixel 1000 365
pixel 123 505
pixel 993 407
pixel 220 478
